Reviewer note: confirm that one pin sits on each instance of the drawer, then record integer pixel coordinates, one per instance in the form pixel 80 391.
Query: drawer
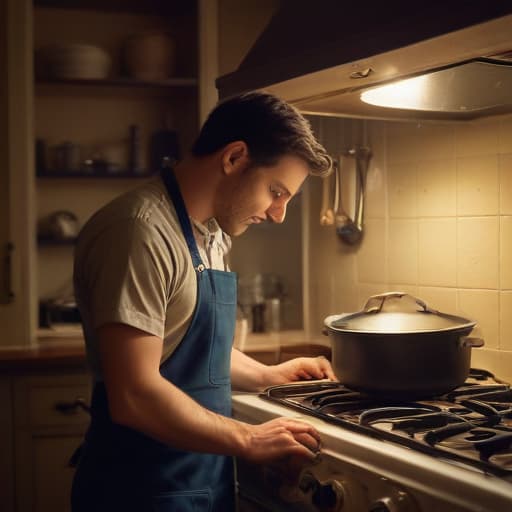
pixel 51 402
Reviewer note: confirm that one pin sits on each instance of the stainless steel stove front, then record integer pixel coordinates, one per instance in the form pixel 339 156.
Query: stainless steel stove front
pixel 358 473
pixel 331 485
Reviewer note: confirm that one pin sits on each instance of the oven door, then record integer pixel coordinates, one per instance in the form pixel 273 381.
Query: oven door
pixel 315 488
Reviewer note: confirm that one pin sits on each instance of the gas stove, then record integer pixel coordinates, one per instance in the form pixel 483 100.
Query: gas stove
pixel 451 452
pixel 471 424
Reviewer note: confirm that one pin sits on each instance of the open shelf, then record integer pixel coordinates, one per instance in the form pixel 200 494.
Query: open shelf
pixel 155 7
pixel 177 82
pixel 124 174
pixel 48 242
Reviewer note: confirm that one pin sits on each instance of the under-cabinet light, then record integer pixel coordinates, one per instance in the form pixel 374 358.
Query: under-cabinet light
pixel 411 93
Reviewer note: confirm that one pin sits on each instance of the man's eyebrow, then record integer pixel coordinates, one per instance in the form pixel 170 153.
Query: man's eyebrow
pixel 281 185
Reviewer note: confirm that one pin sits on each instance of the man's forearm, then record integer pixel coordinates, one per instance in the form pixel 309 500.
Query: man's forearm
pixel 247 374
pixel 167 414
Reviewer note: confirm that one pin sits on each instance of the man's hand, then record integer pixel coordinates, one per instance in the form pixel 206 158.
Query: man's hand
pixel 300 368
pixel 280 439
pixel 247 374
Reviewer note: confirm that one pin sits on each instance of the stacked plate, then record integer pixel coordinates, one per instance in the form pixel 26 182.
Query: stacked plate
pixel 76 61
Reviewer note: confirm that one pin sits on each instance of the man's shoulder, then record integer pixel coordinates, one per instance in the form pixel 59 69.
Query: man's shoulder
pixel 143 211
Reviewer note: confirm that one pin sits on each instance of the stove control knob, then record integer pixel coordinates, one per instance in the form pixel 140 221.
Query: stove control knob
pixel 329 496
pixel 399 502
pixel 382 505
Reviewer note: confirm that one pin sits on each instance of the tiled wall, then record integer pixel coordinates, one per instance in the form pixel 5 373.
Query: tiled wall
pixel 438 224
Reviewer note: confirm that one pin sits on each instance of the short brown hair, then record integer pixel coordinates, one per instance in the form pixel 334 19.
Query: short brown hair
pixel 271 128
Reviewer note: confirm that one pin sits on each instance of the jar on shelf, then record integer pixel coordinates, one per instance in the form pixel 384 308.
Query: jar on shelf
pixel 150 56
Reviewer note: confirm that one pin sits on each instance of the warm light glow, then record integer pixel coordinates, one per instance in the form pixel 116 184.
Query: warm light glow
pixel 409 94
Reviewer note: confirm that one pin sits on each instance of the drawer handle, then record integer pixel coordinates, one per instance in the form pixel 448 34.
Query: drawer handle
pixel 72 407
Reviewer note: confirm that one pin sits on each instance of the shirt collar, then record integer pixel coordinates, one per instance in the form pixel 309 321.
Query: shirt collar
pixel 212 232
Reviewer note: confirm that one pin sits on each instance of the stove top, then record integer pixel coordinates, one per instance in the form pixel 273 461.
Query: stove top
pixel 471 424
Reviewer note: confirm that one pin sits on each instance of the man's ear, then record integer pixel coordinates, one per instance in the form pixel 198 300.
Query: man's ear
pixel 235 157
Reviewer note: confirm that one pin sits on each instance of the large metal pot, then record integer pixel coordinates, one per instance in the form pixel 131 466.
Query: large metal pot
pixel 398 346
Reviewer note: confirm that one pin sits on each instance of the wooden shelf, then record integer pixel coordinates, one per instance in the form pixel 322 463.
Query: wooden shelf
pixel 93 175
pixel 48 242
pixel 155 7
pixel 177 82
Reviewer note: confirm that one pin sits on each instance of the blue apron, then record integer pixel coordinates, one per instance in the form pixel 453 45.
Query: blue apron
pixel 122 469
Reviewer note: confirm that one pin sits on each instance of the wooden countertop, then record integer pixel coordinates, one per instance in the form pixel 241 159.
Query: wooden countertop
pixel 68 353
pixel 67 349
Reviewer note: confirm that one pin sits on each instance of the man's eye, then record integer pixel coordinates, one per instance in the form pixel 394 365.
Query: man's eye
pixel 275 192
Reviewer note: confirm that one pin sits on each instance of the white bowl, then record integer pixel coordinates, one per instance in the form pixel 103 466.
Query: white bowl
pixel 77 61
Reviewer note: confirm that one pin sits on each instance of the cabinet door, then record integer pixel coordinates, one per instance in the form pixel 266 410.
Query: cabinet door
pixel 17 294
pixel 4 162
pixel 6 446
pixel 44 476
pixel 48 429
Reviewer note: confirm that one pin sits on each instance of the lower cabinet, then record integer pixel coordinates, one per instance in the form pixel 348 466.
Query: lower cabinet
pixel 49 423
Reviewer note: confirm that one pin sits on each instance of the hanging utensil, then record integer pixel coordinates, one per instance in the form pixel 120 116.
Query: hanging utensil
pixel 351 230
pixel 345 227
pixel 326 211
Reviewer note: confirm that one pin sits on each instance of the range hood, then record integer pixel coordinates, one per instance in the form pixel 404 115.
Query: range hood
pixel 323 56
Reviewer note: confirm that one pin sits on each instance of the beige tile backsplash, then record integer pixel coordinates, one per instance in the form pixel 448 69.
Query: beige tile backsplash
pixel 402 190
pixel 476 138
pixel 437 251
pixel 505 180
pixel 438 224
pixel 403 251
pixel 478 252
pixel 506 254
pixel 437 188
pixel 477 185
pixel 505 135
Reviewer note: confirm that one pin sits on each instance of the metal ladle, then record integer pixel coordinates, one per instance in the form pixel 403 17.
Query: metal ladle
pixel 327 211
pixel 351 231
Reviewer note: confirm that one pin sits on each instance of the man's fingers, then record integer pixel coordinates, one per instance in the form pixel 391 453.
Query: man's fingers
pixel 307 440
pixel 301 427
pixel 326 367
pixel 283 437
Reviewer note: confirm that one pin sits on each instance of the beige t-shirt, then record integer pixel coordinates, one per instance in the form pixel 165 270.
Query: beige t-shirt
pixel 133 266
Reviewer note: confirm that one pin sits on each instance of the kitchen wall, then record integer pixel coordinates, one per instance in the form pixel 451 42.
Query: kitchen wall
pixel 263 249
pixel 438 224
pixel 240 23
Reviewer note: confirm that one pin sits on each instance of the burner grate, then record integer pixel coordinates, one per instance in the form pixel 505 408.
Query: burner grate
pixel 471 424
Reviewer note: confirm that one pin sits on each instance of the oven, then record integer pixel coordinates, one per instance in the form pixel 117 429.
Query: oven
pixel 446 453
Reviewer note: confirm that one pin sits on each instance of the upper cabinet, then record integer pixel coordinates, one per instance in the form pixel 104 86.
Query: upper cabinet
pixel 115 93
pixel 115 85
pixel 17 283
pixel 5 243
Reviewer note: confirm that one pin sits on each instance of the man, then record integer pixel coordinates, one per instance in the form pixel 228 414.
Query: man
pixel 158 308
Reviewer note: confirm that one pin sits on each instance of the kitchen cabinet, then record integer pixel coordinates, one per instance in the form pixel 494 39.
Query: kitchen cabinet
pixel 95 116
pixel 80 103
pixel 5 287
pixel 17 293
pixel 156 95
pixel 6 446
pixel 40 436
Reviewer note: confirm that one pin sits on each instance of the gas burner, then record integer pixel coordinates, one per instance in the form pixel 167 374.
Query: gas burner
pixel 471 424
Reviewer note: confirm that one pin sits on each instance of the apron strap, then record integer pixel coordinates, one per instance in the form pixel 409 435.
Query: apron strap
pixel 174 193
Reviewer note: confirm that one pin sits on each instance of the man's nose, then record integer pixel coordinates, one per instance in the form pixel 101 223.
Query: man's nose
pixel 277 213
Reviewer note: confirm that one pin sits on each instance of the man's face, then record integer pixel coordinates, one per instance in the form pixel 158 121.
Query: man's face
pixel 257 194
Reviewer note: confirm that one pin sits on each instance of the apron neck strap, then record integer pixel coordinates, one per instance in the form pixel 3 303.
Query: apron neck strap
pixel 173 190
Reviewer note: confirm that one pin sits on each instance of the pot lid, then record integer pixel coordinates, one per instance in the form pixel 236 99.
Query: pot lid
pixel 406 315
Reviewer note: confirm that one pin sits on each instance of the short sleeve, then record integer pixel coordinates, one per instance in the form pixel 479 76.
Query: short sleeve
pixel 128 271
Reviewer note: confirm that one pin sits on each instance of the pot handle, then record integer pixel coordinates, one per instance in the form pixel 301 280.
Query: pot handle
pixel 468 341
pixel 382 297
